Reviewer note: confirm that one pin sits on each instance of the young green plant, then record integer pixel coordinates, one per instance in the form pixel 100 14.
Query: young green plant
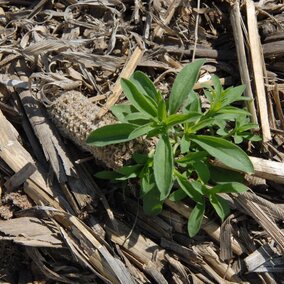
pixel 189 139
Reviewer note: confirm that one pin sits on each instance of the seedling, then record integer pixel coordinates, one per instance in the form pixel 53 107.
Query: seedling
pixel 189 139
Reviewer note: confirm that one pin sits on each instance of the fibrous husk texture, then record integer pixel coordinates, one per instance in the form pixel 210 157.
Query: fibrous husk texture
pixel 76 117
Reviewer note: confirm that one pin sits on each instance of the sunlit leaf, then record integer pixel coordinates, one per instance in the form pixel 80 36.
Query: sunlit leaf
pixel 183 84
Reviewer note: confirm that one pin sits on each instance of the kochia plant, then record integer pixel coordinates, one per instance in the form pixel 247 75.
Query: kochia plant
pixel 189 139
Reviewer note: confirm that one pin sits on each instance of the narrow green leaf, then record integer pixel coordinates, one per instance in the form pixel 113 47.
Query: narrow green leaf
pixel 219 175
pixel 152 205
pixel 184 144
pixel 195 219
pixel 192 103
pixel 141 130
pixel 234 110
pixel 140 102
pixel 183 84
pixel 233 95
pixel 138 115
pixel 144 85
pixel 217 93
pixel 190 188
pixel 162 110
pixel 180 118
pixel 163 166
pixel 247 126
pixel 111 175
pixel 229 187
pixel 130 171
pixel 201 124
pixel 121 110
pixel 156 131
pixel 177 195
pixel 202 170
pixel 148 182
pixel 220 205
pixel 140 158
pixel 226 152
pixel 193 156
pixel 110 134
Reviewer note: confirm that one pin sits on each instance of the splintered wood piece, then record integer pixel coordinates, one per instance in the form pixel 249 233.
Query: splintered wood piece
pixel 140 250
pixel 235 17
pixel 264 259
pixel 221 269
pixel 20 177
pixel 254 210
pixel 158 31
pixel 30 231
pixel 258 72
pixel 49 138
pixel 16 157
pixel 267 169
pixel 278 105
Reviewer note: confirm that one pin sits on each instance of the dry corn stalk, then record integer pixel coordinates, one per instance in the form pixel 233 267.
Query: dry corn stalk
pixel 76 117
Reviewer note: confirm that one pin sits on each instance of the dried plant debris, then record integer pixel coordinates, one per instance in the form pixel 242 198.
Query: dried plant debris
pixel 68 57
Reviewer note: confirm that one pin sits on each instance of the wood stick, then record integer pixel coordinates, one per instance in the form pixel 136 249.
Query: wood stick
pixel 158 31
pixel 266 169
pixel 256 57
pixel 235 17
pixel 126 72
pixel 20 177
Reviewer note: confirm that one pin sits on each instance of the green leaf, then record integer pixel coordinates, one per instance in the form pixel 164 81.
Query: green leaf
pixel 140 158
pixel 156 131
pixel 246 127
pixel 233 95
pixel 162 110
pixel 192 189
pixel 147 182
pixel 122 110
pixel 229 187
pixel 137 116
pixel 145 86
pixel 201 124
pixel 234 110
pixel 163 166
pixel 192 103
pixel 140 102
pixel 130 171
pixel 111 175
pixel 177 195
pixel 141 130
pixel 152 205
pixel 224 175
pixel 226 152
pixel 183 84
pixel 180 118
pixel 195 219
pixel 220 205
pixel 202 170
pixel 193 156
pixel 110 134
pixel 184 144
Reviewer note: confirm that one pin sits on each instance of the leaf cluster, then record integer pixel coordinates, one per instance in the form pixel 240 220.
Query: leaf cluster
pixel 189 138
